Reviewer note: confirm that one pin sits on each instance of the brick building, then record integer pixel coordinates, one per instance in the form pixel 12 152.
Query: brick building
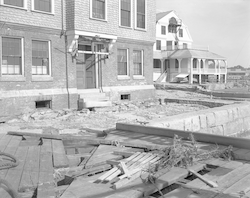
pixel 52 52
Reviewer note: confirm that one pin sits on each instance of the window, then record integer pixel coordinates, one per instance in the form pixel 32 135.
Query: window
pixel 163 30
pixel 169 45
pixel 98 9
pixel 201 64
pixel 138 62
pixel 172 25
pixel 176 64
pixel 122 59
pixel 158 45
pixel 12 56
pixel 43 5
pixel 195 63
pixel 185 46
pixel 141 14
pixel 157 63
pixel 180 32
pixel 40 58
pixel 17 3
pixel 125 13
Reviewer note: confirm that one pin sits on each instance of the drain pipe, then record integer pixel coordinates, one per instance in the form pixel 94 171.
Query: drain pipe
pixel 63 32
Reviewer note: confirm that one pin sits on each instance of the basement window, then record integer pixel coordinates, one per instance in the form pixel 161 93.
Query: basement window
pixel 125 96
pixel 43 104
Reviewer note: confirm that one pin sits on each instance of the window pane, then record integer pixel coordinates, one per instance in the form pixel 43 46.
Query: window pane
pixel 122 61
pixel 137 62
pixel 125 12
pixel 169 45
pixel 141 10
pixel 18 3
pixel 158 45
pixel 98 9
pixel 40 58
pixel 43 5
pixel 11 56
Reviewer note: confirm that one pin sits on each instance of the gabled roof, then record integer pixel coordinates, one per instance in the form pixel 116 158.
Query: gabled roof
pixel 161 15
pixel 191 53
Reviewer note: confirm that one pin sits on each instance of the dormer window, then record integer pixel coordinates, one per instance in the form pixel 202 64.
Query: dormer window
pixel 172 27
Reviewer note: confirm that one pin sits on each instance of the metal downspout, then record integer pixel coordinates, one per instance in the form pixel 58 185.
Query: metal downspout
pixel 66 55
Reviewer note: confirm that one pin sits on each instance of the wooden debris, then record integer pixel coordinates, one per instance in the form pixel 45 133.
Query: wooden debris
pixel 202 178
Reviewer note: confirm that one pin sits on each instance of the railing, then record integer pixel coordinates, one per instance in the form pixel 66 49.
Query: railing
pixel 180 47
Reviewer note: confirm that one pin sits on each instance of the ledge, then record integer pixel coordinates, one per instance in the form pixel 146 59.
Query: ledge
pixel 123 77
pixel 138 77
pixel 12 78
pixel 41 78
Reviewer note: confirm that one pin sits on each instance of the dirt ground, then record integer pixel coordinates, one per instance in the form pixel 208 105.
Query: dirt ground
pixel 77 122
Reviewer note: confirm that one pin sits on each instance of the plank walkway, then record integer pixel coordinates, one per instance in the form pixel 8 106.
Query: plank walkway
pixel 231 176
pixel 36 165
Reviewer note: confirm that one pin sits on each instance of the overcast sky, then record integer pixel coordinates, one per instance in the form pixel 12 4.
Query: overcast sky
pixel 223 25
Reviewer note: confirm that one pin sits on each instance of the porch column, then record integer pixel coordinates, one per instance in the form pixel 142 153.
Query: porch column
pixel 199 69
pixel 226 71
pixel 219 70
pixel 191 71
pixel 162 62
pixel 179 68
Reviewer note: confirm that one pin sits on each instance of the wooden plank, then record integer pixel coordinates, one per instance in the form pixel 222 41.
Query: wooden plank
pixel 10 148
pixel 241 154
pixel 242 185
pixel 29 179
pixel 135 175
pixel 32 159
pixel 60 159
pixel 104 153
pixel 4 141
pixel 46 186
pixel 128 164
pixel 104 176
pixel 202 137
pixel 46 161
pixel 164 180
pixel 232 177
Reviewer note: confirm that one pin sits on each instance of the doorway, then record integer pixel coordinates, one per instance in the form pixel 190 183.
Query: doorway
pixel 85 69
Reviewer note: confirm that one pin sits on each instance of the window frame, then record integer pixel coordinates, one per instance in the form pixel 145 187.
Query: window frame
pixel 50 61
pixel 126 75
pixel 91 11
pixel 157 45
pixel 142 63
pixel 162 28
pixel 22 57
pixel 135 11
pixel 40 11
pixel 131 14
pixel 180 32
pixel 13 6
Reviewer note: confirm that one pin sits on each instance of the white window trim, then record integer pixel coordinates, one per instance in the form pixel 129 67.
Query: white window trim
pixel 106 11
pixel 125 76
pixel 12 6
pixel 131 14
pixel 146 8
pixel 52 7
pixel 139 76
pixel 50 61
pixel 22 55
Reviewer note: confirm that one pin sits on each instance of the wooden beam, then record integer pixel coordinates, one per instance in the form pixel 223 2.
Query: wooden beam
pixel 201 137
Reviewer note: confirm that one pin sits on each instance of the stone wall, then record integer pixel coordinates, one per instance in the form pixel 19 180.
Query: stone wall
pixel 228 120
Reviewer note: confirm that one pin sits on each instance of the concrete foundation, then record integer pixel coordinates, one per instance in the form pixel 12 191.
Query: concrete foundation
pixel 228 120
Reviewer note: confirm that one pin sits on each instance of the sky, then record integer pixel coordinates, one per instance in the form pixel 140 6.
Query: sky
pixel 223 25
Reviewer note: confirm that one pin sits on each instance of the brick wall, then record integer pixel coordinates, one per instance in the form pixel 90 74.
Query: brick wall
pixel 110 70
pixel 111 26
pixel 30 17
pixel 16 93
